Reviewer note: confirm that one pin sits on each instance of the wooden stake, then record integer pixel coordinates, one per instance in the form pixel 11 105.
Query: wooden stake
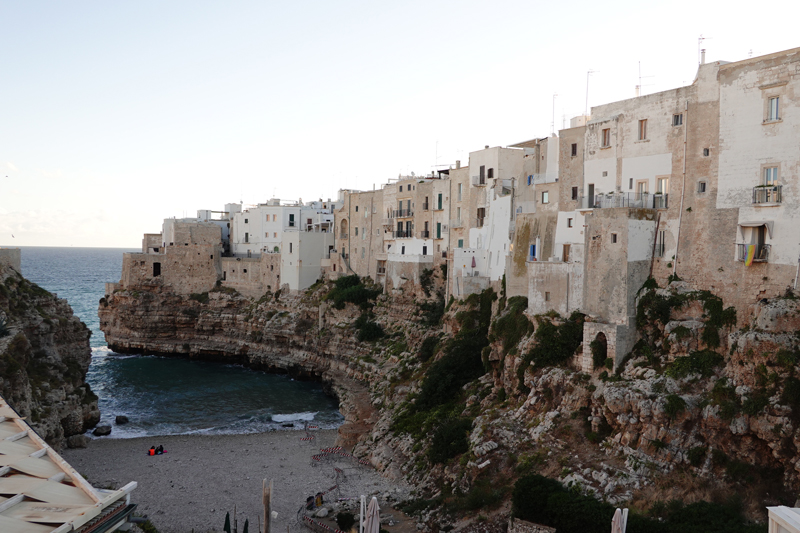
pixel 266 498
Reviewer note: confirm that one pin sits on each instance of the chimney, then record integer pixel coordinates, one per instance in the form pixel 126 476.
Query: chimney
pixel 703 56
pixel 637 90
pixel 458 163
pixel 487 146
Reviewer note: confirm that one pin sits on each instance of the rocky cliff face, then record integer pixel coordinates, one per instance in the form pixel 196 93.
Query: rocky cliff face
pixel 44 357
pixel 697 409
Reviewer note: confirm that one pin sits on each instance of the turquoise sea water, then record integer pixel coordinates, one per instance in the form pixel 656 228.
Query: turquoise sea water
pixel 166 396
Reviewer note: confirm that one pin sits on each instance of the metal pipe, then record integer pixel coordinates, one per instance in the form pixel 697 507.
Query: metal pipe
pixel 683 188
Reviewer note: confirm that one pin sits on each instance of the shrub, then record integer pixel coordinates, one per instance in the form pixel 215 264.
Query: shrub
pixel 450 439
pixel 428 348
pixel 702 362
pixel 513 325
pixel 696 455
pixel 345 521
pixel 199 297
pixel 599 352
pixel 4 331
pixel 674 406
pixel 555 345
pixel 368 329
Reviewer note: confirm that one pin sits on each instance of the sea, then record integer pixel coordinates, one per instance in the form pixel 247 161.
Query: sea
pixel 164 395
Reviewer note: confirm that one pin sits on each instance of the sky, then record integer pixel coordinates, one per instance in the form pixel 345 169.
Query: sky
pixel 116 115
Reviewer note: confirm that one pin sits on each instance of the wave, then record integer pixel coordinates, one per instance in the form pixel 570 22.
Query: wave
pixel 292 417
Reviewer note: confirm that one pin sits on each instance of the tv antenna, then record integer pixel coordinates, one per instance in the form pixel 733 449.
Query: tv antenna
pixel 553 124
pixel 639 88
pixel 589 73
pixel 700 48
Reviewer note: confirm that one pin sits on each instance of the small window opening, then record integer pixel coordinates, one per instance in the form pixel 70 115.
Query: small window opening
pixel 613 238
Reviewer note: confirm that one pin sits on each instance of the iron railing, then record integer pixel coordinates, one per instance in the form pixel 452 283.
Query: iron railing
pixel 767 195
pixel 761 252
pixel 403 213
pixel 425 234
pixel 623 199
pixel 401 234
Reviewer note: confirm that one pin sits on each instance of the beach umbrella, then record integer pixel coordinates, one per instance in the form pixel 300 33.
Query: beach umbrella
pixel 373 522
pixel 246 525
pixel 227 527
pixel 620 521
pixel 473 262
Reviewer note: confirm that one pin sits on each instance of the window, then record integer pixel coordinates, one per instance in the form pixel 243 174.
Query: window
pixel 574 149
pixel 274 234
pixel 363 251
pixel 440 201
pixel 290 247
pixel 291 219
pixel 677 119
pixel 663 186
pixel 245 271
pixel 545 197
pixel 546 296
pixel 356 229
pixel 772 109
pixel 401 188
pixel 532 252
pixel 643 130
pixel 246 237
pixel 357 206
pixel 438 230
pixel 460 243
pixel 574 193
pixel 660 243
pixel 606 138
pixel 245 221
pixel 530 179
pixel 274 218
pixel 363 233
pixel 157 269
pixel 771 176
pixel 403 250
pixel 424 250
pixel 630 184
pixel 613 238
pixel 460 190
pixel 490 173
pixel 706 151
pixel 605 173
pixel 458 214
pixel 569 222
pixel 701 186
pixel 482 176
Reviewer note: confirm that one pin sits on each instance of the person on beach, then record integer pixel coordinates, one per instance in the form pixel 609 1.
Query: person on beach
pixel 152 450
pixel 159 450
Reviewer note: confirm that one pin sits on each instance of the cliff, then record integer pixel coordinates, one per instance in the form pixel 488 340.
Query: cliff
pixel 44 357
pixel 464 400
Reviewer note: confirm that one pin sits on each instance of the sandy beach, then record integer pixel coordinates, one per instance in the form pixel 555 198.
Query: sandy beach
pixel 202 476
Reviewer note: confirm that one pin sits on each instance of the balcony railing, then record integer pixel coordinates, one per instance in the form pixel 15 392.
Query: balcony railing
pixel 343 236
pixel 767 195
pixel 624 199
pixel 425 234
pixel 456 223
pixel 425 206
pixel 437 207
pixel 478 181
pixel 761 254
pixel 401 234
pixel 403 213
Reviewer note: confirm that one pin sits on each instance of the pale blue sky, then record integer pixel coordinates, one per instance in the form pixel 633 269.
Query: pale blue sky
pixel 115 115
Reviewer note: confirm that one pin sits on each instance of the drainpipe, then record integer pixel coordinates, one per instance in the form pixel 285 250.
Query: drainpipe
pixel 683 188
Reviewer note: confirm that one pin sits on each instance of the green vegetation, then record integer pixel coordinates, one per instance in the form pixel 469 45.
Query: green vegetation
pixel 513 326
pixel 345 521
pixel 702 362
pixel 4 331
pixel 545 501
pixel 351 289
pixel 555 344
pixel 599 352
pixel 368 329
pixel 450 439
pixel 428 348
pixel 697 455
pixel 674 406
pixel 199 297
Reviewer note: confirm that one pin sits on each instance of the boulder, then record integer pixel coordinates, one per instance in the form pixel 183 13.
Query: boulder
pixel 322 513
pixel 102 431
pixel 121 419
pixel 77 441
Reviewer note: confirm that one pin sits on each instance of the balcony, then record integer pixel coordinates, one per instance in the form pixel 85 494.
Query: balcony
pixel 425 234
pixel 456 224
pixel 343 236
pixel 401 234
pixel 425 206
pixel 624 199
pixel 478 181
pixel 761 252
pixel 438 207
pixel 403 213
pixel 767 195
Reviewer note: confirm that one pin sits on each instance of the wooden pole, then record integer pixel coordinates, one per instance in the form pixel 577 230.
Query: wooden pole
pixel 266 498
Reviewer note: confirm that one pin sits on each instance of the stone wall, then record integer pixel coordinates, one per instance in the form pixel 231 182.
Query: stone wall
pixel 252 276
pixel 186 269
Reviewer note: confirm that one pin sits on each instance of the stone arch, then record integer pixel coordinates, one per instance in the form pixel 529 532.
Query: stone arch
pixel 599 348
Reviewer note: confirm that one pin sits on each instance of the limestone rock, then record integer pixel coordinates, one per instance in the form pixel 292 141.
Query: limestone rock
pixel 102 431
pixel 77 441
pixel 121 419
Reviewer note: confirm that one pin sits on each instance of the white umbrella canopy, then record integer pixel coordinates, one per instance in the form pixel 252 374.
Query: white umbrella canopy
pixel 373 522
pixel 620 521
